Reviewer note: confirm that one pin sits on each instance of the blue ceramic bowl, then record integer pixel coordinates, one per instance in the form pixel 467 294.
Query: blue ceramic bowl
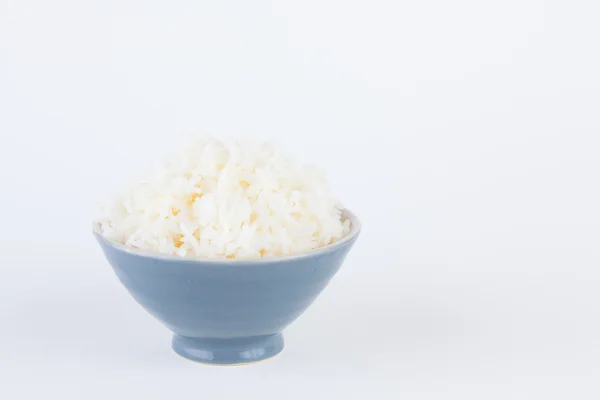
pixel 227 311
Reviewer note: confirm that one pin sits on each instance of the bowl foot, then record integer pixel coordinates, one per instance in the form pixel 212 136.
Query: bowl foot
pixel 228 351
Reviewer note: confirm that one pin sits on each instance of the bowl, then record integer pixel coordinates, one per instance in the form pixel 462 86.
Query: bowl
pixel 227 311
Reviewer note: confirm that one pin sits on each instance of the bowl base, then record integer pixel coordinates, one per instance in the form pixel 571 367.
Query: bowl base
pixel 228 351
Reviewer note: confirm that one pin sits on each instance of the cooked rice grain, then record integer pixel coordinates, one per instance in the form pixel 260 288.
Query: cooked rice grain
pixel 232 199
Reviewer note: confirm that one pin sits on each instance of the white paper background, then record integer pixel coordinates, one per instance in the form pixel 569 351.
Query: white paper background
pixel 464 134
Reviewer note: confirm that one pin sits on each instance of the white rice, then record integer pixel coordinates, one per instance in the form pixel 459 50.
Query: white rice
pixel 234 199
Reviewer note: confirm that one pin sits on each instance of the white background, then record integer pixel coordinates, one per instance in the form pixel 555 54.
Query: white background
pixel 463 133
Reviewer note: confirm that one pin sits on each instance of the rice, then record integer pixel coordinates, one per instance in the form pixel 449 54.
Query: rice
pixel 227 199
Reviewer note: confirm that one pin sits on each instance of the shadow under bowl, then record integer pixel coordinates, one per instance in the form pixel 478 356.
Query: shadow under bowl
pixel 227 311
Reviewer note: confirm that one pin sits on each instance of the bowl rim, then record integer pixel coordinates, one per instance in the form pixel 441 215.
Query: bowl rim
pixel 355 228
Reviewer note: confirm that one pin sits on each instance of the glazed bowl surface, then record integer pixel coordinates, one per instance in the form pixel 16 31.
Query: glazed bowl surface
pixel 227 311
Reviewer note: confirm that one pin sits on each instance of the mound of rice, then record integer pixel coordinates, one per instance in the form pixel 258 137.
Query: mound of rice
pixel 233 199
